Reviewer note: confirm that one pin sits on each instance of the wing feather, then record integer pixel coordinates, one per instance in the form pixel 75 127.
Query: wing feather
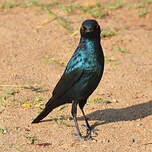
pixel 66 82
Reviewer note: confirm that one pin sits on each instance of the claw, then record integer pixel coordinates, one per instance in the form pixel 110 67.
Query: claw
pixel 79 136
pixel 90 130
pixel 85 138
pixel 89 137
pixel 83 125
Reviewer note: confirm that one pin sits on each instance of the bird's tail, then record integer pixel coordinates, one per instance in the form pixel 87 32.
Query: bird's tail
pixel 48 108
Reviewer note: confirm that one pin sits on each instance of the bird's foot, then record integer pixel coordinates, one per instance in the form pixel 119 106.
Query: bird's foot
pixel 90 131
pixel 85 138
pixel 79 136
pixel 89 137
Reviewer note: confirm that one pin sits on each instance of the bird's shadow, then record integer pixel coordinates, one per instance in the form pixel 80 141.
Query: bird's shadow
pixel 105 116
pixel 123 114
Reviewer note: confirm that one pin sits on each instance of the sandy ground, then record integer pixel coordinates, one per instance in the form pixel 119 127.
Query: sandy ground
pixel 33 51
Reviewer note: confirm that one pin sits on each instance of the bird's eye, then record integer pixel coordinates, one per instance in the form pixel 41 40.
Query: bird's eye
pixel 83 28
pixel 96 26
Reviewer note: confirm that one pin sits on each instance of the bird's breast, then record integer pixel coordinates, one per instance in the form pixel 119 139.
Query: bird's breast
pixel 86 57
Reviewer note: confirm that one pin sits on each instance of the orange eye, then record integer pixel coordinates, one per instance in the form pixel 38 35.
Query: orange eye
pixel 96 26
pixel 83 28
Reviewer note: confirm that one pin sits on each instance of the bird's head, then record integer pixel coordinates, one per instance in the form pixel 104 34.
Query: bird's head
pixel 90 29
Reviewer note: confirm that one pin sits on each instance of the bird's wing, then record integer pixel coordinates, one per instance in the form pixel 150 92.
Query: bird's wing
pixel 66 82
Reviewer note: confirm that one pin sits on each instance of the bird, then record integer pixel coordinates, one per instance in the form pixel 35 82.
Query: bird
pixel 80 77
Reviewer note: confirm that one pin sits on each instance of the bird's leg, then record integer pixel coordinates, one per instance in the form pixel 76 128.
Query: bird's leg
pixel 74 114
pixel 89 129
pixel 86 121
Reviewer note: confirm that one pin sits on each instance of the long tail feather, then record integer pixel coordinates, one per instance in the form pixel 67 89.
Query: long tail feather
pixel 43 114
pixel 50 105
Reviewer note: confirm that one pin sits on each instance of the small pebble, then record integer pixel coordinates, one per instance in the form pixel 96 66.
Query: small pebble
pixel 133 140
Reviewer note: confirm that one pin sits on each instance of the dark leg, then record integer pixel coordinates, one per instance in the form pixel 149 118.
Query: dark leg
pixel 74 114
pixel 86 121
pixel 81 105
pixel 89 129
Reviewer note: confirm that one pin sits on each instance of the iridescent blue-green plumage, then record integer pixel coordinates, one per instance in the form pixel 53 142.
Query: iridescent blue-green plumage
pixel 82 74
pixel 87 56
pixel 88 59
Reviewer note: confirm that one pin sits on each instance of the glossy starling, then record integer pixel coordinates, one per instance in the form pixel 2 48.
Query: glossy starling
pixel 81 76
